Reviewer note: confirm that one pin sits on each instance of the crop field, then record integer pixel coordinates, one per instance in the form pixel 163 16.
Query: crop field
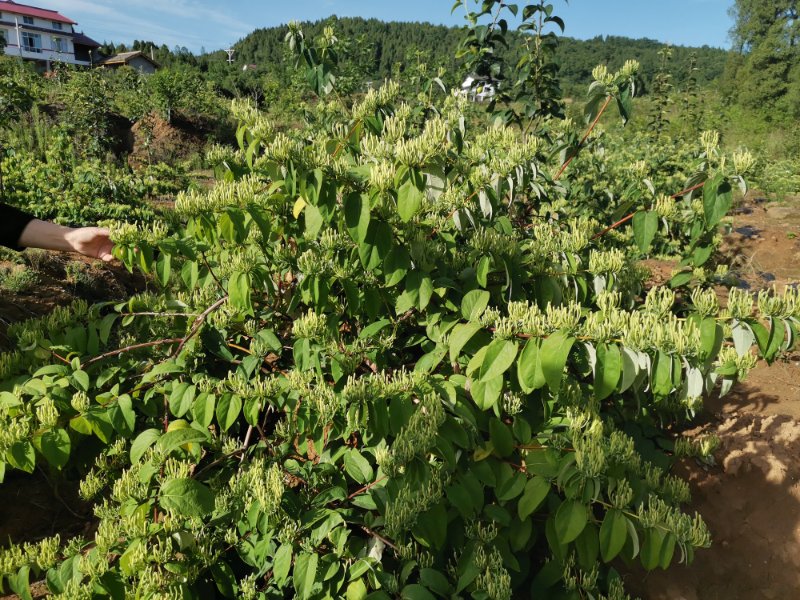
pixel 386 341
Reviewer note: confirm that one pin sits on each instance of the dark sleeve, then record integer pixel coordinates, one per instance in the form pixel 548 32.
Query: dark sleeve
pixel 12 223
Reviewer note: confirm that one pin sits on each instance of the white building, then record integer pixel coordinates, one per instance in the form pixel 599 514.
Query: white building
pixel 44 36
pixel 478 89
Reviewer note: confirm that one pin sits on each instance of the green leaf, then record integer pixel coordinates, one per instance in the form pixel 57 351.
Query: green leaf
pixel 608 370
pixel 142 442
pixel 529 367
pixel 536 491
pixel 431 527
pixel 228 409
pixel 499 357
pixel 777 335
pixel 81 379
pixel 487 393
pixel 396 265
pixel 172 440
pixel 22 456
pixel 356 215
pixel 501 438
pixel 181 399
pixel 282 564
pixel 571 518
pixel 613 534
pixel 645 227
pixel 358 467
pixel 711 338
pixel 651 548
pixel 305 574
pixel 416 592
pixel 56 447
pixel 186 497
pixel 662 375
pixel 313 220
pixel 474 304
pixel 123 417
pixel 239 285
pixel 410 196
pixel 435 580
pixel 462 333
pixel 357 590
pixel 554 354
pixel 717 200
pixel 203 408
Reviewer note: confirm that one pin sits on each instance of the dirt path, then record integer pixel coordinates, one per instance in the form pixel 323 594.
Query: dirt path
pixel 751 499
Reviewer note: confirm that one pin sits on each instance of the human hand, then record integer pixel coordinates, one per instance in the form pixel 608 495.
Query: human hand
pixel 91 241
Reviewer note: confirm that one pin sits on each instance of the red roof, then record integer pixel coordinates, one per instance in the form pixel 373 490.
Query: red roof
pixel 10 6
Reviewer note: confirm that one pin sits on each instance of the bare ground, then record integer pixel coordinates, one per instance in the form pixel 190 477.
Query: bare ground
pixel 751 498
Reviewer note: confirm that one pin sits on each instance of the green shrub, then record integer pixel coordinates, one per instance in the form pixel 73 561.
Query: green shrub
pixel 380 365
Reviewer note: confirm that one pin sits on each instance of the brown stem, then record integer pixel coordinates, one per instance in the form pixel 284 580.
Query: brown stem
pixel 366 488
pixel 198 322
pixel 131 349
pixel 380 537
pixel 583 141
pixel 630 216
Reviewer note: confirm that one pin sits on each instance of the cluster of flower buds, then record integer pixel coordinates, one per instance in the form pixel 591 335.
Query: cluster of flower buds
pixel 129 485
pixel 218 154
pixel 382 175
pixel 689 531
pixel 710 142
pixel 740 303
pixel 311 326
pixel 411 501
pixel 576 578
pixel 12 363
pixel 420 150
pixel 729 358
pixel 418 436
pixel 494 580
pixel 57 320
pixel 47 413
pixel 485 241
pixel 666 207
pixel 702 447
pixel 705 302
pixel 375 100
pixel 607 261
pixel 244 111
pixel 780 306
pixel 590 450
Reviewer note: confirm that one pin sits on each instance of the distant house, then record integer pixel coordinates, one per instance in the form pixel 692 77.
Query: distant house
pixel 43 36
pixel 478 88
pixel 136 60
pixel 250 67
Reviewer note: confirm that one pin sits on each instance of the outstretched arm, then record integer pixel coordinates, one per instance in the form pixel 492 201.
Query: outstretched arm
pixel 90 241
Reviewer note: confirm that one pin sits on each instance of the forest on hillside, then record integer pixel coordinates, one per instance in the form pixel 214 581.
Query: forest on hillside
pixel 379 50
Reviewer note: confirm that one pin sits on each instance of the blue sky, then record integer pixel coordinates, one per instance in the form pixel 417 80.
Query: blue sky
pixel 215 24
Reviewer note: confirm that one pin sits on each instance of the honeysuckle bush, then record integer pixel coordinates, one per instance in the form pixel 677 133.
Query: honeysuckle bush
pixel 376 363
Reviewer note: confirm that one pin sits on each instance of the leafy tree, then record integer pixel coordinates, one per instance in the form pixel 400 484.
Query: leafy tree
pixel 765 68
pixel 174 88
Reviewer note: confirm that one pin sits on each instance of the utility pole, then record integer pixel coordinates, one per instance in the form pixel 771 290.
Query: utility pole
pixel 230 52
pixel 19 41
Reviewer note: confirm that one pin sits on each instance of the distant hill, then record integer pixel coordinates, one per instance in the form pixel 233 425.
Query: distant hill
pixel 375 50
pixel 381 47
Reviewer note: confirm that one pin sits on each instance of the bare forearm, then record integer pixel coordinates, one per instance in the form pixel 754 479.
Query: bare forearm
pixel 48 236
pixel 89 241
